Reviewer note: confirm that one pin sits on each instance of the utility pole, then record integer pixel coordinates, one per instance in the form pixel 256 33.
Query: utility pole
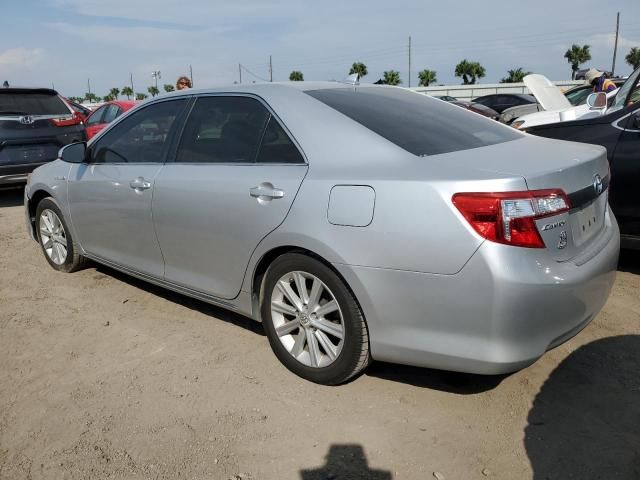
pixel 89 86
pixel 409 61
pixel 131 80
pixel 615 48
pixel 191 75
pixel 240 71
pixel 270 70
pixel 156 74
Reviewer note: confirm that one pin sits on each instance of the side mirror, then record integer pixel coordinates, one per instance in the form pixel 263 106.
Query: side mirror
pixel 73 153
pixel 597 101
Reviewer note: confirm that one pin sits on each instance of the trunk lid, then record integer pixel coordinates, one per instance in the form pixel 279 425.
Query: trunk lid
pixel 580 170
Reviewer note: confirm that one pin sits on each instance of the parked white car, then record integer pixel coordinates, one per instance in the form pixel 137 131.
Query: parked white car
pixel 556 106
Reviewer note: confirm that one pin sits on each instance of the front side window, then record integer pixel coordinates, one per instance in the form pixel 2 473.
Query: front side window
pixel 419 124
pixel 223 130
pixel 628 93
pixel 141 138
pixel 110 113
pixel 96 117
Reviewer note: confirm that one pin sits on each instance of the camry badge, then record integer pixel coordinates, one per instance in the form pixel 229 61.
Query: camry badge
pixel 597 184
pixel 563 240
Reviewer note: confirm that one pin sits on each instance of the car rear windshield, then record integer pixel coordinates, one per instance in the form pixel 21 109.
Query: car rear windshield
pixel 31 104
pixel 420 125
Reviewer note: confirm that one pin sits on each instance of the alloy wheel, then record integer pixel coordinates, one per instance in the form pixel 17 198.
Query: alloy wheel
pixel 307 319
pixel 53 237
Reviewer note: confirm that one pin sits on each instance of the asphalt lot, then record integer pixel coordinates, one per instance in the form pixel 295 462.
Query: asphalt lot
pixel 105 376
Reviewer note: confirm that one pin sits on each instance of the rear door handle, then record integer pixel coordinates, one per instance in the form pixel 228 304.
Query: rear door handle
pixel 139 184
pixel 266 191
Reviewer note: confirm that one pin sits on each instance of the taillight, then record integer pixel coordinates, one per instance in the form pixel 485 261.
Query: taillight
pixel 509 217
pixel 66 121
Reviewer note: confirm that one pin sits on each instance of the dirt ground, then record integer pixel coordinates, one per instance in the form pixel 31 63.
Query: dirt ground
pixel 104 376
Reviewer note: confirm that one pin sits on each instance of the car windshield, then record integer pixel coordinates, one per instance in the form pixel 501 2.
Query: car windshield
pixel 413 121
pixel 27 103
pixel 632 85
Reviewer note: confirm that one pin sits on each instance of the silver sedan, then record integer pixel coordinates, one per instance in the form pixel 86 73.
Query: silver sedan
pixel 355 222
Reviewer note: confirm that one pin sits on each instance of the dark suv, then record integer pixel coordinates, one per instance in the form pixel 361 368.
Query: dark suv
pixel 34 124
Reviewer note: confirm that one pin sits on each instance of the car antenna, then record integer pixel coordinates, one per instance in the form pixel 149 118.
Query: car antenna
pixel 5 84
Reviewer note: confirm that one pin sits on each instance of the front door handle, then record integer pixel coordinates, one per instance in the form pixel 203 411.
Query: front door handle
pixel 139 184
pixel 266 192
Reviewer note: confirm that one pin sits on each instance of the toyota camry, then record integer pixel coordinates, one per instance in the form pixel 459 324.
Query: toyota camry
pixel 356 222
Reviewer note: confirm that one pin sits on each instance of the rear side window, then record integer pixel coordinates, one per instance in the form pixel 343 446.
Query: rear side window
pixel 414 122
pixel 32 104
pixel 277 147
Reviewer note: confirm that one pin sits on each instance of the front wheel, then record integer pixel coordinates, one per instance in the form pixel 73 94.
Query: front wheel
pixel 62 253
pixel 314 325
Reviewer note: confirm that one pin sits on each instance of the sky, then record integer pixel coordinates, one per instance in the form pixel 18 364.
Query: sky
pixel 68 43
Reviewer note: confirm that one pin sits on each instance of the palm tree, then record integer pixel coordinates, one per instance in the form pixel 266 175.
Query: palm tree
pixel 633 58
pixel 90 97
pixel 153 90
pixel 107 98
pixel 515 76
pixel 359 68
pixel 469 71
pixel 113 93
pixel 128 91
pixel 427 77
pixel 391 77
pixel 464 69
pixel 141 96
pixel 296 76
pixel 168 87
pixel 576 56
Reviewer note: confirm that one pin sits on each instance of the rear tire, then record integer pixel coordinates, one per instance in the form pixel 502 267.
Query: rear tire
pixel 313 322
pixel 58 246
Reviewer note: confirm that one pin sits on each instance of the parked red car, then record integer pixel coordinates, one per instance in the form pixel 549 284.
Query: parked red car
pixel 79 111
pixel 106 114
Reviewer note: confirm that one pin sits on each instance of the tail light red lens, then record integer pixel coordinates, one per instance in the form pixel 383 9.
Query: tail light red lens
pixel 509 217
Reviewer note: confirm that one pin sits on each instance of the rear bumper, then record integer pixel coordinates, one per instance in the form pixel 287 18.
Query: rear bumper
pixel 500 313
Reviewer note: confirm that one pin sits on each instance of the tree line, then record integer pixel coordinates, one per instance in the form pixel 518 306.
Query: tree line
pixel 472 71
pixel 469 71
pixel 126 91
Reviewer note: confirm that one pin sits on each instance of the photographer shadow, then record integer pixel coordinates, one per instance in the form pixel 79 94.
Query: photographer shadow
pixel 345 462
pixel 585 421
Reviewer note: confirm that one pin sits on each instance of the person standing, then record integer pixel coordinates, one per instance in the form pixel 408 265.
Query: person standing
pixel 183 82
pixel 599 81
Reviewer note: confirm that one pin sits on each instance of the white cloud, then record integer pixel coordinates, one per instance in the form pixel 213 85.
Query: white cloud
pixel 609 40
pixel 21 58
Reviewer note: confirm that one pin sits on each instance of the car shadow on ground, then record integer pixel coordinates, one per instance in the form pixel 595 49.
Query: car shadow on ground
pixel 629 261
pixel 345 462
pixel 585 421
pixel 11 197
pixel 446 381
pixel 186 301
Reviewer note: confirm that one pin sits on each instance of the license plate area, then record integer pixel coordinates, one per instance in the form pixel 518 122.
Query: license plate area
pixel 588 221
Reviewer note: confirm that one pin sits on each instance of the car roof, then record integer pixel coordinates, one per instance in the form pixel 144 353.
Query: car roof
pixel 257 88
pixel 46 91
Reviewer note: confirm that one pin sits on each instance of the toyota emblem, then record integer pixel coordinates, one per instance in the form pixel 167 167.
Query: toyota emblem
pixel 597 184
